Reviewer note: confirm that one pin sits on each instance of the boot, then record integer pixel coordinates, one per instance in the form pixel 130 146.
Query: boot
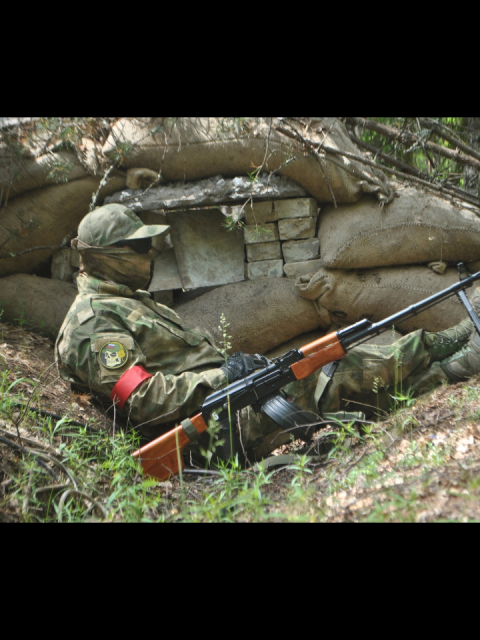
pixel 464 364
pixel 443 344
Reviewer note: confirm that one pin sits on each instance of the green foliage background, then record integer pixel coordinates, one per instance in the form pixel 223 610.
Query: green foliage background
pixel 415 155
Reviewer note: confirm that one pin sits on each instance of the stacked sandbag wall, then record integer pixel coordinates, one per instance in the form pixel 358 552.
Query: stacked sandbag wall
pixel 190 149
pixel 353 249
pixel 379 259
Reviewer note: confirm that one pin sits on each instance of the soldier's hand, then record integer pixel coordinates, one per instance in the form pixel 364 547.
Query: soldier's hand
pixel 240 365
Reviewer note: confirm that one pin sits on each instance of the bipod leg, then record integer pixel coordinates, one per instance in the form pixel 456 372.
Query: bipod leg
pixel 465 301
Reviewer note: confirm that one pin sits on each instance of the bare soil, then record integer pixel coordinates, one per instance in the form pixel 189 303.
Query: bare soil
pixel 30 356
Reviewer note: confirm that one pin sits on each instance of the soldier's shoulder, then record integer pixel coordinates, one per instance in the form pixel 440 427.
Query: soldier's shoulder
pixel 112 304
pixel 85 314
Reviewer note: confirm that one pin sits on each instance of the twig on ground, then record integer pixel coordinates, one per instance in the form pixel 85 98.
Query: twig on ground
pixel 28 492
pixel 17 447
pixel 83 496
pixel 53 460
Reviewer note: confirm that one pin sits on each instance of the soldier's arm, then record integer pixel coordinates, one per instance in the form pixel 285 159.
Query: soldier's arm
pixel 165 398
pixel 111 363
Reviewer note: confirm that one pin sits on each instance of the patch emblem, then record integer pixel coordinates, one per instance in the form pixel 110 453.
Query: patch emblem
pixel 113 355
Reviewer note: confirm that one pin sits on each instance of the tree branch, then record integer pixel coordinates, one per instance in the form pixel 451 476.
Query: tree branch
pixel 407 137
pixel 409 172
pixel 442 131
pixel 406 168
pixel 436 187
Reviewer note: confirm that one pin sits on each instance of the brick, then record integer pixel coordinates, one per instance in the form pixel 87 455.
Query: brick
pixel 297 269
pixel 297 208
pixel 273 210
pixel 297 228
pixel 264 251
pixel 263 233
pixel 301 250
pixel 265 269
pixel 261 213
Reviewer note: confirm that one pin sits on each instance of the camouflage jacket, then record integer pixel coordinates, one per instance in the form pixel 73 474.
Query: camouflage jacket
pixel 110 329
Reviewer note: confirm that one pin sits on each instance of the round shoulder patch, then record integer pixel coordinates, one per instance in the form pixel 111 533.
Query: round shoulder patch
pixel 113 355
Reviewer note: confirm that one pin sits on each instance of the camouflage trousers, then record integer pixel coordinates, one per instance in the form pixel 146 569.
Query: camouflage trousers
pixel 371 377
pixel 367 380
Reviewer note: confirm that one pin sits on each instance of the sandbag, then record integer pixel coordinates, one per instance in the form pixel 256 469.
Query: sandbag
pixel 262 313
pixel 43 217
pixel 195 148
pixel 417 227
pixel 376 294
pixel 24 174
pixel 35 303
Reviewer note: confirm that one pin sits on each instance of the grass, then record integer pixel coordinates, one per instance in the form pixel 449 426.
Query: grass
pixel 91 475
pixel 362 479
pixel 420 465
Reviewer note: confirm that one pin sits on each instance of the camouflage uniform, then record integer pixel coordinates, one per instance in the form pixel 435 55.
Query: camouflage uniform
pixel 369 377
pixel 112 328
pixel 184 364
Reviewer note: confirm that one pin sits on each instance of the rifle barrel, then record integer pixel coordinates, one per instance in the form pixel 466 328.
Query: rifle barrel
pixel 351 337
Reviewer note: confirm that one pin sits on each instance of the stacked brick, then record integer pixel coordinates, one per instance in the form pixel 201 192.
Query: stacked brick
pixel 280 238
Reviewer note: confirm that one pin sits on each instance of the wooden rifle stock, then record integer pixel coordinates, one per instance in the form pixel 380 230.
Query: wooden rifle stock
pixel 163 457
pixel 317 355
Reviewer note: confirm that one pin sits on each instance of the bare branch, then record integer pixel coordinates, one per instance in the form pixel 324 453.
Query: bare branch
pixel 410 138
pixel 444 132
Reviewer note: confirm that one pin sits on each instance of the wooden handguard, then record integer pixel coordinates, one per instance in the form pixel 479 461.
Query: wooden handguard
pixel 164 456
pixel 317 355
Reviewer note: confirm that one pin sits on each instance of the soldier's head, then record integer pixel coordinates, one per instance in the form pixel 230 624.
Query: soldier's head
pixel 115 245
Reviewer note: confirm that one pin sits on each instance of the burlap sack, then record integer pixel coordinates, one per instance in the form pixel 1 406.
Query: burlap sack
pixel 194 148
pixel 43 217
pixel 377 294
pixel 22 174
pixel 35 303
pixel 262 313
pixel 417 227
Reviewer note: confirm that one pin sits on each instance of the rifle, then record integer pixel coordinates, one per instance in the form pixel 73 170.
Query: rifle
pixel 261 390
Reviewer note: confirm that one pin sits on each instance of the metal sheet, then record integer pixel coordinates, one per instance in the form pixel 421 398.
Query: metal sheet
pixel 207 253
pixel 166 275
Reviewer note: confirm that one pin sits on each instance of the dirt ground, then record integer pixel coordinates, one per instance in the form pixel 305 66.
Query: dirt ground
pixel 420 465
pixel 30 357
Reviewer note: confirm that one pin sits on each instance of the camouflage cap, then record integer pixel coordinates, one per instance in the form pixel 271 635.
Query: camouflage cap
pixel 113 223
